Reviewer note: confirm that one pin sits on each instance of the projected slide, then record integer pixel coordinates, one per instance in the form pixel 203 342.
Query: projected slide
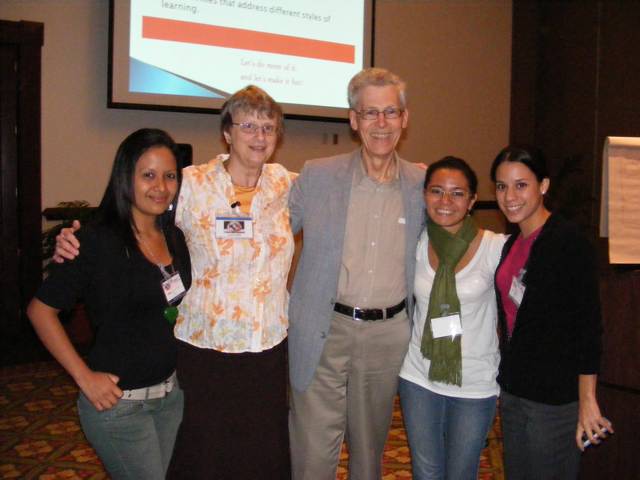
pixel 300 51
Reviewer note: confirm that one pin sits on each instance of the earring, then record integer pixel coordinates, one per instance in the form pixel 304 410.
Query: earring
pixel 170 209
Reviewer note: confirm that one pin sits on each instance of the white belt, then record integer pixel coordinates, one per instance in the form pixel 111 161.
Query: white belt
pixel 155 391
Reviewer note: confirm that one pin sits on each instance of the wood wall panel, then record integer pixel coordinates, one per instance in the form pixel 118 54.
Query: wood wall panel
pixel 585 62
pixel 617 457
pixel 620 293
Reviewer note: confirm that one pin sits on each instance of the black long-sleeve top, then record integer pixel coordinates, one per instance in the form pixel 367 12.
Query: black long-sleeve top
pixel 557 333
pixel 123 296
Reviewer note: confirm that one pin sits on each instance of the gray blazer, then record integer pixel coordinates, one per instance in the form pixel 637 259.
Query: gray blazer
pixel 319 202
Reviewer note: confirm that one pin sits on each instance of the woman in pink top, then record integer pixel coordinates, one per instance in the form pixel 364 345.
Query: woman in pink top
pixel 549 319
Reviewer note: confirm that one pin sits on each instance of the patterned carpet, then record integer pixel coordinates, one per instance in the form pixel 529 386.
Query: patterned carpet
pixel 40 437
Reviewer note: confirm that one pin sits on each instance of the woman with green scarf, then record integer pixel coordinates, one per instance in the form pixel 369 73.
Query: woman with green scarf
pixel 448 386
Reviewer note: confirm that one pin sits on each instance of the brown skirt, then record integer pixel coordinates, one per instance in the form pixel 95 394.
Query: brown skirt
pixel 235 415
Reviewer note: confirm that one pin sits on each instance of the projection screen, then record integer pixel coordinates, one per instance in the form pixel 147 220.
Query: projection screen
pixel 190 55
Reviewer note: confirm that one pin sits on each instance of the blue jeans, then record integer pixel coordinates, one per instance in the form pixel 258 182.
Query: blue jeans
pixel 446 434
pixel 134 439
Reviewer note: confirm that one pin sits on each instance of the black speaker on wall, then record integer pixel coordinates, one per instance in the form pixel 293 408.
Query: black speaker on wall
pixel 185 155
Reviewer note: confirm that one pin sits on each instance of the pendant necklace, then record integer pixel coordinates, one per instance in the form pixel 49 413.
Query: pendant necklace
pixel 170 313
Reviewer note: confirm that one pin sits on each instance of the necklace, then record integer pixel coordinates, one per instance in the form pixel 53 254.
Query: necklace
pixel 153 256
pixel 170 313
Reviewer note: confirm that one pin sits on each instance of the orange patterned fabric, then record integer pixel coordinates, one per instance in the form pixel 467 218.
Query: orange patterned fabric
pixel 244 195
pixel 238 298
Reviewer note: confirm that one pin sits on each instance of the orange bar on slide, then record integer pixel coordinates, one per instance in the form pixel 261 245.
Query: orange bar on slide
pixel 202 34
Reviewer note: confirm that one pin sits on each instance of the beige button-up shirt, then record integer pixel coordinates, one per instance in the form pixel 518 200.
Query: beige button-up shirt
pixel 372 272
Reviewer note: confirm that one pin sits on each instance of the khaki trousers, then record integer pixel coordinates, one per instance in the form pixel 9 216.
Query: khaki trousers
pixel 351 394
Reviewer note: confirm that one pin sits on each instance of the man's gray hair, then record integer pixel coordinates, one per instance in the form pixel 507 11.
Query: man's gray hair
pixel 375 77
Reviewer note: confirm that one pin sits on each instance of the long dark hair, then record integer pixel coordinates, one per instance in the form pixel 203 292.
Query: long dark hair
pixel 115 208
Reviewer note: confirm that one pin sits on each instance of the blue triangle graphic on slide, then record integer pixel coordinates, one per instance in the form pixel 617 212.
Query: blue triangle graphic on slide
pixel 145 78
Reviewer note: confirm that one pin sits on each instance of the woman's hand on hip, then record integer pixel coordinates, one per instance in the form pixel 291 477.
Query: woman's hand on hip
pixel 101 389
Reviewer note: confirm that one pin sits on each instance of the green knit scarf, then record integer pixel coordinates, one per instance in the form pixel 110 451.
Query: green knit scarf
pixel 444 352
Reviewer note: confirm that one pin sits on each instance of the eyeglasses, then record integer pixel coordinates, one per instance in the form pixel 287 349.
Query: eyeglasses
pixel 372 114
pixel 252 128
pixel 454 195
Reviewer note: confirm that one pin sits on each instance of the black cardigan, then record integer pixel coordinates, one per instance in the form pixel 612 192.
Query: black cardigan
pixel 557 334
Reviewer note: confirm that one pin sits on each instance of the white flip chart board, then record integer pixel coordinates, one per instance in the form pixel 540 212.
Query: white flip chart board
pixel 620 201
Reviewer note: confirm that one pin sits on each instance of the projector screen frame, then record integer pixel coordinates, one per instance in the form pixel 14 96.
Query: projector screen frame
pixel 119 58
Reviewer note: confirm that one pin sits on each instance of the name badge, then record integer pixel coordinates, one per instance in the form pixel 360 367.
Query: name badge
pixel 448 326
pixel 516 292
pixel 173 288
pixel 234 227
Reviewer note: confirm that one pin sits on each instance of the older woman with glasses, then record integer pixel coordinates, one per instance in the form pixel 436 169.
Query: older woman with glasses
pixel 232 325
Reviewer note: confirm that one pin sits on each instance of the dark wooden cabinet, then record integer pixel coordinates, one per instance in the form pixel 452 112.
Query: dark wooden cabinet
pixel 20 200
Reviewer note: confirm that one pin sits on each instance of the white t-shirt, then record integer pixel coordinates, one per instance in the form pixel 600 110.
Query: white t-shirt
pixel 480 354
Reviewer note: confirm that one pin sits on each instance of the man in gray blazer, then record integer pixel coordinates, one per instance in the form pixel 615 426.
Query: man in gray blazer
pixel 352 296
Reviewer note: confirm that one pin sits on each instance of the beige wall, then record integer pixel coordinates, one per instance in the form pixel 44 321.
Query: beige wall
pixel 455 55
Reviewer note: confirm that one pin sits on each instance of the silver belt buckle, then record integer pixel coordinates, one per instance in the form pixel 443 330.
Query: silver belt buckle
pixel 353 315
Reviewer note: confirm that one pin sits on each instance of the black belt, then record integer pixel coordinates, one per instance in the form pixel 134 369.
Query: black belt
pixel 369 313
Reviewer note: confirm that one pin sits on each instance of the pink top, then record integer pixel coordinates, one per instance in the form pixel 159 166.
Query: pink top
pixel 512 267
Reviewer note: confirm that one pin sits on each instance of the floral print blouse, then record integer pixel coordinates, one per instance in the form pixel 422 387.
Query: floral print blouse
pixel 238 299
